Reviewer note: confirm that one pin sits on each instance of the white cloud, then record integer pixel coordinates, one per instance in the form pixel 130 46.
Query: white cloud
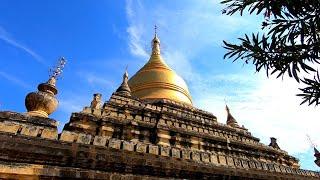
pixel 5 36
pixel 270 108
pixel 70 105
pixel 135 46
pixel 14 80
pixel 94 79
pixel 135 30
pixel 267 107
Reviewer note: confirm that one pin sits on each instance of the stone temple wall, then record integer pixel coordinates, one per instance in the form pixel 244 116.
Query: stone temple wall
pixel 91 148
pixel 25 156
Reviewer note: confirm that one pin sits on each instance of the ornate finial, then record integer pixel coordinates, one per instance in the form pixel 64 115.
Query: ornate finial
pixel 227 109
pixel 124 88
pixel 44 102
pixel 58 69
pixel 155 42
pixel 231 121
pixel 155 30
pixel 126 75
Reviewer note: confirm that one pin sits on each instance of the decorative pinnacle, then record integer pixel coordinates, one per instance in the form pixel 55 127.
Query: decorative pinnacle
pixel 125 75
pixel 155 30
pixel 155 42
pixel 227 109
pixel 58 69
pixel 230 119
pixel 124 88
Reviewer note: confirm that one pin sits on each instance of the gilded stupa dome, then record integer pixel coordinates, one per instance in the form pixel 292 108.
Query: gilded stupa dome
pixel 156 80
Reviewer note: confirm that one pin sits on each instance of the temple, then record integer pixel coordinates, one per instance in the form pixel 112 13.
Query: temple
pixel 147 129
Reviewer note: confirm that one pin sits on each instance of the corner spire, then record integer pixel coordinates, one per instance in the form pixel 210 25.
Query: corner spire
pixel 124 88
pixel 155 42
pixel 273 143
pixel 231 121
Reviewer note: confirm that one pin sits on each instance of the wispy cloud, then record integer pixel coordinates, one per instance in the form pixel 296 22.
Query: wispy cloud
pixel 267 107
pixel 71 105
pixel 135 46
pixel 6 37
pixel 14 80
pixel 135 30
pixel 94 79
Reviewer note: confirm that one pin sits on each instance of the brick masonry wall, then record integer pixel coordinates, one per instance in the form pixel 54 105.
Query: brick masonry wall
pixel 124 157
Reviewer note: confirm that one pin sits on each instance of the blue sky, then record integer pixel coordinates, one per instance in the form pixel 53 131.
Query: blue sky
pixel 100 39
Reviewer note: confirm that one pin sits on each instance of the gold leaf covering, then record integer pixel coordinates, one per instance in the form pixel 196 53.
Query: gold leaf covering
pixel 156 80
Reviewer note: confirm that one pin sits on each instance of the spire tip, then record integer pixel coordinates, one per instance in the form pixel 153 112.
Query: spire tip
pixel 155 30
pixel 155 42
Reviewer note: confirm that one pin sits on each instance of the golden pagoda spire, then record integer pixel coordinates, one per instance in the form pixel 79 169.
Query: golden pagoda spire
pixel 157 81
pixel 44 102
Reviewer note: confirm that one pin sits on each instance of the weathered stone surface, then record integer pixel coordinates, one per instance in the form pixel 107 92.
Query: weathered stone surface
pixel 222 160
pixel 9 127
pixel 205 157
pixel 252 164
pixel 84 138
pixel 96 112
pixel 214 159
pixel 195 156
pixel 141 147
pixel 29 130
pixel 230 161
pixel 237 163
pixel 128 146
pixel 244 163
pixel 138 118
pixel 258 165
pixel 87 110
pixel 153 149
pixel 264 166
pixel 68 136
pixel 114 143
pixel 100 140
pixel 49 133
pixel 176 153
pixel 186 154
pixel 165 151
pixel 276 167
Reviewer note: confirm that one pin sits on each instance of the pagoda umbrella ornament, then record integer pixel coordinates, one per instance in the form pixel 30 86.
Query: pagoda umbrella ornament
pixel 44 102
